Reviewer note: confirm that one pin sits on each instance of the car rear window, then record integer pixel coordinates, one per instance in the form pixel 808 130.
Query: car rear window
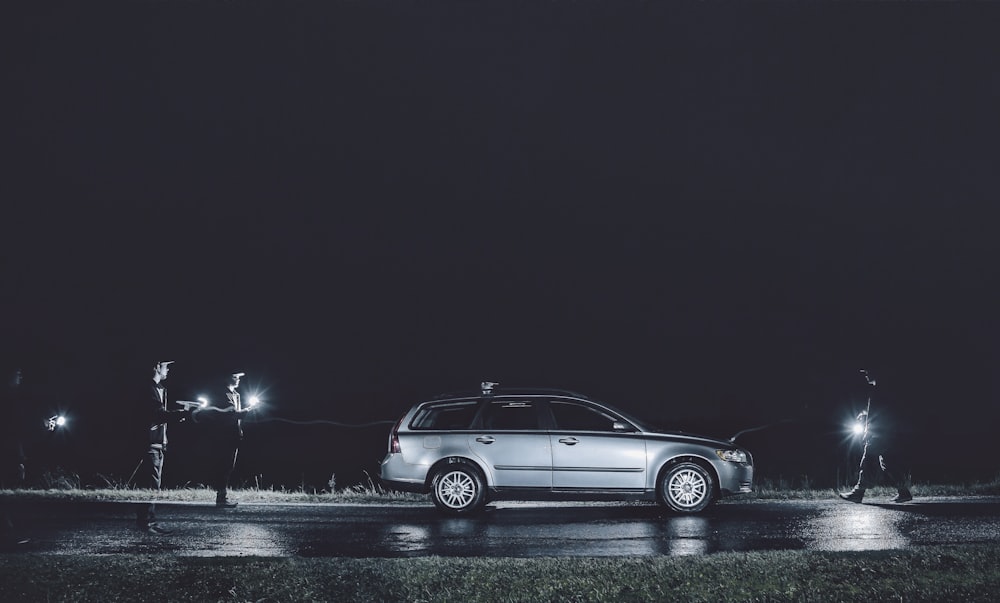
pixel 446 415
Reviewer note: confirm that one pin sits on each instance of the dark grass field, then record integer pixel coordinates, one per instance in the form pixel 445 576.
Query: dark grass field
pixel 969 573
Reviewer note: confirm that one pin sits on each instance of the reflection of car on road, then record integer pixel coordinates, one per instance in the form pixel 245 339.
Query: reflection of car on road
pixel 552 444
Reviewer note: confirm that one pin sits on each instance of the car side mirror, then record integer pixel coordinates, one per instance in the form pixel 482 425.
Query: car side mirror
pixel 619 426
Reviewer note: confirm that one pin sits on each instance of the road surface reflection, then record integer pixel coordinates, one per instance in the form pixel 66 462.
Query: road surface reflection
pixel 859 528
pixel 515 529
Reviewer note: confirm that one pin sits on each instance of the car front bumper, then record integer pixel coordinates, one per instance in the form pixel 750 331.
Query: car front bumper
pixel 735 478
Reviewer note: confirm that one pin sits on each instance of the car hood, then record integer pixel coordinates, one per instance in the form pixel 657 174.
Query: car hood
pixel 689 437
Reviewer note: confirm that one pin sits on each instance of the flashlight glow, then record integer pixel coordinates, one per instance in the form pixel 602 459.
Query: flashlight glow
pixel 254 401
pixel 55 421
pixel 203 400
pixel 858 428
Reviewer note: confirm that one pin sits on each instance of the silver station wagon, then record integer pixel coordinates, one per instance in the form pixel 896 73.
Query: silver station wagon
pixel 552 444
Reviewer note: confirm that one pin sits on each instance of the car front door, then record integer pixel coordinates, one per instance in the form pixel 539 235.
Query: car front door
pixel 594 450
pixel 508 439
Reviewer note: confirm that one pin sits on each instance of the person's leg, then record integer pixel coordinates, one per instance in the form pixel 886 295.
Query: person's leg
pixel 158 457
pixel 857 493
pixel 151 473
pixel 899 481
pixel 8 534
pixel 228 463
pixel 868 476
pixel 144 479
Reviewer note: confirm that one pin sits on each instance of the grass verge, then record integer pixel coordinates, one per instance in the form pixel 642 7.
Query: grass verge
pixel 207 495
pixel 968 573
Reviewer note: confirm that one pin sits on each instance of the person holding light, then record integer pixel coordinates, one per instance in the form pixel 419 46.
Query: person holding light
pixel 156 417
pixel 877 446
pixel 227 425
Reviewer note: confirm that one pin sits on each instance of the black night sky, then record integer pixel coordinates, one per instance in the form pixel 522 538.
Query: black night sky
pixel 710 214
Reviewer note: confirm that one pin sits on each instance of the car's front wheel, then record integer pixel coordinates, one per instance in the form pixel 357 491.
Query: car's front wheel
pixel 686 488
pixel 458 489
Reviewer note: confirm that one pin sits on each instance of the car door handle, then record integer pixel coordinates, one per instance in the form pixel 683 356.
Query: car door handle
pixel 570 441
pixel 486 439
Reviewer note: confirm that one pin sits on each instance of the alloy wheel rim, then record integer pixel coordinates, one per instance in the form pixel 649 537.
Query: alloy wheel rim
pixel 456 489
pixel 687 488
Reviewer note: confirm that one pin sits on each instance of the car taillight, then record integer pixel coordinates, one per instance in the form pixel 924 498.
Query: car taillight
pixel 394 437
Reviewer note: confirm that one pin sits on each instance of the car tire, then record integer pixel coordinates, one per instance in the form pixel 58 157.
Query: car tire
pixel 686 488
pixel 458 489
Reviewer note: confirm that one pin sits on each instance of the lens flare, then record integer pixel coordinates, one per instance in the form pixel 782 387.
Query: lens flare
pixel 55 421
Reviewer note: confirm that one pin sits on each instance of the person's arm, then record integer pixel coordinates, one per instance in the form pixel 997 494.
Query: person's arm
pixel 159 415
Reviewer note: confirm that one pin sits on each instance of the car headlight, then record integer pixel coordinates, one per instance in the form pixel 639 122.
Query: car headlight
pixel 733 456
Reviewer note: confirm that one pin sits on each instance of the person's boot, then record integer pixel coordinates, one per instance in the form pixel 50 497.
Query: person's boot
pixel 855 496
pixel 903 496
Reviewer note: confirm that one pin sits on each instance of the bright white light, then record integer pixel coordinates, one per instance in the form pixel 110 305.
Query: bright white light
pixel 203 400
pixel 858 429
pixel 60 421
pixel 254 401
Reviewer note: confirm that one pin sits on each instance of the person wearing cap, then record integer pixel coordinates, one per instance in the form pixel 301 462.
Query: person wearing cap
pixel 156 417
pixel 226 421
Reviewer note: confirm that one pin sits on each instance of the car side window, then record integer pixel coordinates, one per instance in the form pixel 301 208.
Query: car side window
pixel 577 417
pixel 451 415
pixel 507 415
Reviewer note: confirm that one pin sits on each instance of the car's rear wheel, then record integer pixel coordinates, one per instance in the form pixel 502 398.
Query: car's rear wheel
pixel 686 488
pixel 458 489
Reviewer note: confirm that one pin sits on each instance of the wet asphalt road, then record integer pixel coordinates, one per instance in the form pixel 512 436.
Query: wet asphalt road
pixel 508 529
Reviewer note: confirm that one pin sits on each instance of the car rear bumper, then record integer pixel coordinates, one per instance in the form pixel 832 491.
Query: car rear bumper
pixel 400 475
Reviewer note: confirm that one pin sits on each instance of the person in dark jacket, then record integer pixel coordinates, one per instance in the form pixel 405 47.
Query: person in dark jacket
pixel 225 421
pixel 879 444
pixel 156 417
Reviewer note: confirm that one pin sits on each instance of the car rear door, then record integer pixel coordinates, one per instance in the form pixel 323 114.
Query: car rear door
pixel 511 443
pixel 593 449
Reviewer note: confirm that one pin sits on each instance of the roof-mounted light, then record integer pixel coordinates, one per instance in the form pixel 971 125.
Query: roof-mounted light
pixel 487 387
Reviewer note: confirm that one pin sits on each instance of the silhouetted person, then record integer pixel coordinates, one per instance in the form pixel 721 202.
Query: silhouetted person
pixel 226 426
pixel 12 455
pixel 12 433
pixel 156 417
pixel 879 445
